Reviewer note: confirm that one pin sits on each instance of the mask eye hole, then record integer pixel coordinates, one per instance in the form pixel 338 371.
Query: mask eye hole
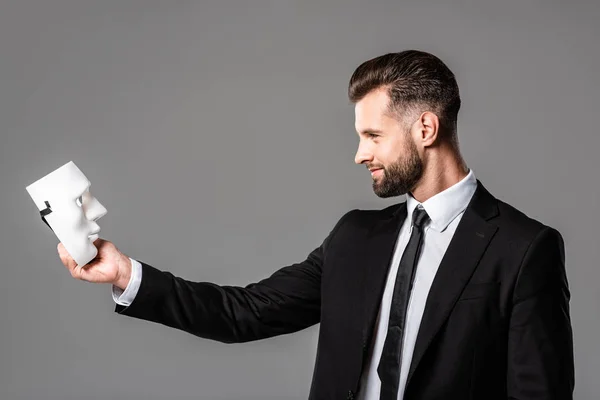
pixel 79 201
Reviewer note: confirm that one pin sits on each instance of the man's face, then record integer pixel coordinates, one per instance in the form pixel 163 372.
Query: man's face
pixel 386 146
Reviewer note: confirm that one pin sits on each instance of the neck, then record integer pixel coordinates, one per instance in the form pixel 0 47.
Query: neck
pixel 444 167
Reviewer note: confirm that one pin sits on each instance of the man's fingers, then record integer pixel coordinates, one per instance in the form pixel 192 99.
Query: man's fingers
pixel 66 259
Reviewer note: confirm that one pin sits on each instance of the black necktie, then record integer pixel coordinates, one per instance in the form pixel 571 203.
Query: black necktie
pixel 389 365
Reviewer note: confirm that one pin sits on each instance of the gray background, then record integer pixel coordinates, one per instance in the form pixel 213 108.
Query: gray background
pixel 219 137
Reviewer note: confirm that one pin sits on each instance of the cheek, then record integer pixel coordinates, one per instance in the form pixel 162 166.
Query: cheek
pixel 398 150
pixel 68 219
pixel 387 154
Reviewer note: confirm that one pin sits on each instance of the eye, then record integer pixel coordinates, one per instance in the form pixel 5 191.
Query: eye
pixel 372 135
pixel 79 201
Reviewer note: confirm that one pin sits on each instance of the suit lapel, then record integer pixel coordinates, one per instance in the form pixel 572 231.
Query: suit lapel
pixel 375 262
pixel 471 238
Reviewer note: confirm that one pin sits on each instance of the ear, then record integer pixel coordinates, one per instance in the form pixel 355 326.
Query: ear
pixel 429 125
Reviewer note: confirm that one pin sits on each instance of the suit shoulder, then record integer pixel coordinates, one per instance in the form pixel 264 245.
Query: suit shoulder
pixel 359 217
pixel 519 223
pixel 380 213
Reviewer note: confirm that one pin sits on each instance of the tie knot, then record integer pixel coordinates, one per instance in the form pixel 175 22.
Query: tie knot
pixel 420 217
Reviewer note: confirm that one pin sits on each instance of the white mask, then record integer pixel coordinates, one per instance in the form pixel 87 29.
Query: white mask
pixel 69 209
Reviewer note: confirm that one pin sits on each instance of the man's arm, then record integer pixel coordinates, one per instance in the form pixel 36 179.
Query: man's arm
pixel 540 338
pixel 287 301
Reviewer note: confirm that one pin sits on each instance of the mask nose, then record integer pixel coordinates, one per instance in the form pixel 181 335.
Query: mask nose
pixel 94 210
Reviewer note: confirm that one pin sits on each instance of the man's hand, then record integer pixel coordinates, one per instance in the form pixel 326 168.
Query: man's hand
pixel 109 265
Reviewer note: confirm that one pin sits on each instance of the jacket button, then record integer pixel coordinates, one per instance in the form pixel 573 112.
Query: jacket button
pixel 350 395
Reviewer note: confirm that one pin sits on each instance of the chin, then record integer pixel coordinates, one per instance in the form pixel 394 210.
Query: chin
pixel 384 194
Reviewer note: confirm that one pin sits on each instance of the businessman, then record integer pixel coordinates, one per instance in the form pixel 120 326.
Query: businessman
pixel 452 294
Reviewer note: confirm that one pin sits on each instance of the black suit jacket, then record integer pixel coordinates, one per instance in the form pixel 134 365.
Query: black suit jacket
pixel 496 323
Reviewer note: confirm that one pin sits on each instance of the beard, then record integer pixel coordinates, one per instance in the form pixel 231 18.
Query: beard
pixel 401 176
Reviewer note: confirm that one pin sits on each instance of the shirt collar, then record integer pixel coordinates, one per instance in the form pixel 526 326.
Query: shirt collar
pixel 447 204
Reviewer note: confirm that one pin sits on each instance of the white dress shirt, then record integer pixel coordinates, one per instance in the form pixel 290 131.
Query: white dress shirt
pixel 445 211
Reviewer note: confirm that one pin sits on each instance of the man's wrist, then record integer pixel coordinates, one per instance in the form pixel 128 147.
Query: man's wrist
pixel 124 273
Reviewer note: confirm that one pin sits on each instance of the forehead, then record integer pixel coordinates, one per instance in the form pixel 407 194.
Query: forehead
pixel 59 184
pixel 371 112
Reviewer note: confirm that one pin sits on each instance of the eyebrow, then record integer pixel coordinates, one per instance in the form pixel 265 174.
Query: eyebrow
pixel 367 131
pixel 82 191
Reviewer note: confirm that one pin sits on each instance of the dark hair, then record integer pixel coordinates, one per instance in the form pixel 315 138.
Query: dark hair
pixel 416 81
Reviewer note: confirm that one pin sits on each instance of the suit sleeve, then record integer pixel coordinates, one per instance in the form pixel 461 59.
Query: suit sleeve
pixel 540 338
pixel 287 301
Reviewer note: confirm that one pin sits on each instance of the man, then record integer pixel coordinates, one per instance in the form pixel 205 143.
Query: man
pixel 452 294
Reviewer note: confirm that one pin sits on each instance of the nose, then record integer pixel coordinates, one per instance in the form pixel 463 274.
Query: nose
pixel 363 155
pixel 95 210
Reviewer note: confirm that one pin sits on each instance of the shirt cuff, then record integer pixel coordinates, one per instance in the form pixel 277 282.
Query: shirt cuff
pixel 125 297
